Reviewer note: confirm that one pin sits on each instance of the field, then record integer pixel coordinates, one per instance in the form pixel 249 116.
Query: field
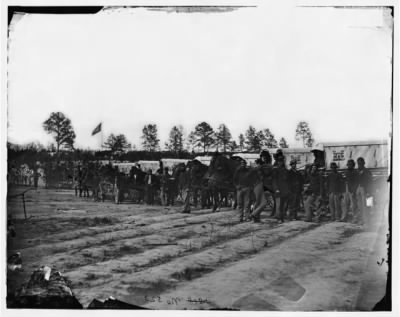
pixel 158 258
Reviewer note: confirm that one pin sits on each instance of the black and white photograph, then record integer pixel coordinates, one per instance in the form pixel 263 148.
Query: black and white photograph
pixel 199 155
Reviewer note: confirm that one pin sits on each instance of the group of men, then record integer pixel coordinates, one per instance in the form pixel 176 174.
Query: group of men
pixel 160 181
pixel 343 194
pixel 24 175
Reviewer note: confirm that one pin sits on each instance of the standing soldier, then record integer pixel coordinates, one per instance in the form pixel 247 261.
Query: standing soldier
pixel 314 194
pixel 281 187
pixel 149 182
pixel 172 190
pixel 296 183
pixel 186 183
pixel 278 154
pixel 364 180
pixel 350 180
pixel 264 170
pixel 77 179
pixel 36 176
pixel 242 184
pixel 334 187
pixel 164 177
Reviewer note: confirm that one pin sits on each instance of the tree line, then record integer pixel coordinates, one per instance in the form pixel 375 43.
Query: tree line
pixel 203 138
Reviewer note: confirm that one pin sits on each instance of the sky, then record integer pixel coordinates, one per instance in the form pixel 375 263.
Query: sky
pixel 269 67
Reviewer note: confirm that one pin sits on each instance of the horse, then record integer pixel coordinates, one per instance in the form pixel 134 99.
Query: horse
pixel 91 180
pixel 199 183
pixel 220 178
pixel 222 171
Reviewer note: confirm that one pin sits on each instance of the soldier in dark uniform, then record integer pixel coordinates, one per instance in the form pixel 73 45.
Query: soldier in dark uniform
pixel 172 190
pixel 186 185
pixel 334 186
pixel 281 187
pixel 149 183
pixel 313 193
pixel 277 155
pixel 350 181
pixel 364 182
pixel 296 183
pixel 264 169
pixel 36 176
pixel 164 180
pixel 243 187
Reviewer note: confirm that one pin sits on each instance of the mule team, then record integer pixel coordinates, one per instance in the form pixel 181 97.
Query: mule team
pixel 251 188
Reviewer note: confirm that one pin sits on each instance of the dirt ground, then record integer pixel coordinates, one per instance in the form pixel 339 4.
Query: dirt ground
pixel 158 258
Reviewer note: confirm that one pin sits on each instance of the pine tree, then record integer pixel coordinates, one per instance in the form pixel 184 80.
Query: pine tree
pixel 150 138
pixel 204 135
pixel 176 140
pixel 303 132
pixel 223 137
pixel 61 128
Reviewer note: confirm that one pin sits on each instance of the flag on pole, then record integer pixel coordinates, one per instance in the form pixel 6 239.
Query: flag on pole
pixel 97 129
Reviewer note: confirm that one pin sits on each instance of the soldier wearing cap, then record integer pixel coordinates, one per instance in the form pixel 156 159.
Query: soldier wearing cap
pixel 264 170
pixel 364 180
pixel 296 183
pixel 350 181
pixel 313 192
pixel 149 183
pixel 334 186
pixel 164 182
pixel 280 183
pixel 278 155
pixel 36 176
pixel 243 185
pixel 186 183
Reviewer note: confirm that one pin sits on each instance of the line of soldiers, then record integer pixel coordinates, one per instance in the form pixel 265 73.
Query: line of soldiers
pixel 343 194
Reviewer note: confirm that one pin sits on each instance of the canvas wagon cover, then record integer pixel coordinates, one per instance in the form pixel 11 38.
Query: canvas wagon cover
pixel 124 167
pixel 204 159
pixel 172 162
pixel 302 155
pixel 375 153
pixel 147 165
